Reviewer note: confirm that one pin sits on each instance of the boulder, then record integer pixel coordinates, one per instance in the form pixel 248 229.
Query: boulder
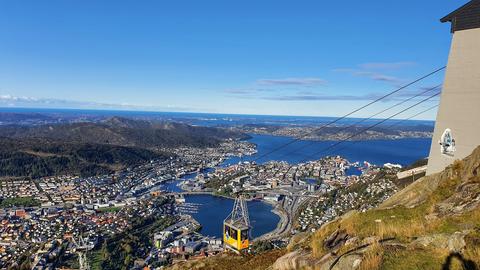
pixel 294 260
pixel 452 242
pixel 336 240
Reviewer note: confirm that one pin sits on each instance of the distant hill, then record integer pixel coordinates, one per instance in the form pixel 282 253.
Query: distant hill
pixel 341 132
pixel 125 132
pixel 34 158
pixel 10 118
pixel 96 148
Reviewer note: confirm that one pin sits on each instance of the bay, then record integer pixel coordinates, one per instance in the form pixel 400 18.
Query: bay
pixel 213 210
pixel 379 152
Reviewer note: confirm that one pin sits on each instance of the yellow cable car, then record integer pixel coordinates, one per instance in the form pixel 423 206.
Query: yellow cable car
pixel 236 227
pixel 236 236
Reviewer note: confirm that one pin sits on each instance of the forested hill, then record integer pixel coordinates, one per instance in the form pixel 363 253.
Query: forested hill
pixel 125 132
pixel 34 158
pixel 96 148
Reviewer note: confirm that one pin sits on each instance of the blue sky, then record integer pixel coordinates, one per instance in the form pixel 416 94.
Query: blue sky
pixel 254 57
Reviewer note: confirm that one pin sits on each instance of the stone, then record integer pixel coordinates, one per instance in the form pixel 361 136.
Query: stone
pixel 348 262
pixel 294 260
pixel 453 242
pixel 351 241
pixel 336 240
pixel 370 240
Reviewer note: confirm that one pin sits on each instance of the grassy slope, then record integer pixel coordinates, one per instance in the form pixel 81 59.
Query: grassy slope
pixel 230 261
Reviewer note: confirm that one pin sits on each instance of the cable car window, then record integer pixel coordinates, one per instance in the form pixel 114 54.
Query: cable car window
pixel 244 235
pixel 233 233
pixel 227 231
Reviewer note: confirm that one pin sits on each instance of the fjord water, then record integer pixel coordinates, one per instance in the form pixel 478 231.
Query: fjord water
pixel 379 152
pixel 213 210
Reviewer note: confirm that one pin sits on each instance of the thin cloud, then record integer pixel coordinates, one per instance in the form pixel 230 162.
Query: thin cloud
pixel 248 91
pixel 423 91
pixel 272 85
pixel 375 71
pixel 335 98
pixel 238 91
pixel 292 81
pixel 33 102
pixel 377 76
pixel 383 66
pixel 313 97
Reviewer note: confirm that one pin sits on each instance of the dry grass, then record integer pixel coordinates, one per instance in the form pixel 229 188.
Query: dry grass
pixel 300 240
pixel 475 179
pixel 316 244
pixel 372 259
pixel 389 228
pixel 473 254
pixel 414 259
pixel 226 262
pixel 458 167
pixel 400 223
pixel 371 262
pixel 465 221
pixel 472 240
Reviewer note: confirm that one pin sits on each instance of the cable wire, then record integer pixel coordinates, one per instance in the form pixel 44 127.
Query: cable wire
pixel 314 155
pixel 370 117
pixel 388 127
pixel 351 113
pixel 372 126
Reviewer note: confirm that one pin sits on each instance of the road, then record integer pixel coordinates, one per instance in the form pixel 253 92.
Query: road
pixel 287 212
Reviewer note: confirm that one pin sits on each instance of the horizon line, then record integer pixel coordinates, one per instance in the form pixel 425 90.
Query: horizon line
pixel 3 109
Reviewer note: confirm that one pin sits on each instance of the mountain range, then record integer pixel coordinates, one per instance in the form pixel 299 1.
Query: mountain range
pixel 89 148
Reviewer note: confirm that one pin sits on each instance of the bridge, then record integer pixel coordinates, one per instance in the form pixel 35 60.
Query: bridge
pixel 265 192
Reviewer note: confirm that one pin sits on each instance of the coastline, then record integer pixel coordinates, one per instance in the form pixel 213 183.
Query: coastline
pixel 282 224
pixel 334 139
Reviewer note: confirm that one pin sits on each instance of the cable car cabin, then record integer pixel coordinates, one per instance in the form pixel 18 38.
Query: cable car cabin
pixel 236 235
pixel 236 227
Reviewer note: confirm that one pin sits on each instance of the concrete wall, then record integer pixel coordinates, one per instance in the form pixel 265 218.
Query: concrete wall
pixel 460 101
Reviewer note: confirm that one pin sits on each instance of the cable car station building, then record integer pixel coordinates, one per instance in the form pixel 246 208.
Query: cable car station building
pixel 457 127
